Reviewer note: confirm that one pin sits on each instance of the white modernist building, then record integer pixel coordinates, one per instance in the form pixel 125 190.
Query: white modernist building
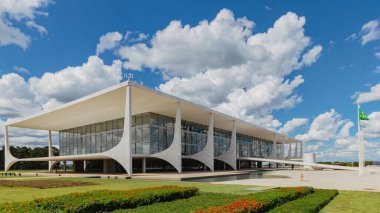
pixel 129 127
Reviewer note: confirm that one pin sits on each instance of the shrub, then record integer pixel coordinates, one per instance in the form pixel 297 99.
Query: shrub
pixel 310 203
pixel 102 201
pixel 261 202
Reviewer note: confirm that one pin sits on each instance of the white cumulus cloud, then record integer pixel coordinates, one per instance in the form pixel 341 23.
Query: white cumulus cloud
pixel 370 31
pixel 23 11
pixel 108 42
pixel 372 95
pixel 221 64
pixel 74 82
pixel 20 97
pixel 325 127
pixel 293 124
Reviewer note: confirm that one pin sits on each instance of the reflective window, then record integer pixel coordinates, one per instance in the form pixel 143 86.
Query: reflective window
pixel 93 138
pixel 152 133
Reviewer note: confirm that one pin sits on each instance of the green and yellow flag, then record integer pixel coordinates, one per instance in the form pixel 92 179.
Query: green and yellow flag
pixel 362 116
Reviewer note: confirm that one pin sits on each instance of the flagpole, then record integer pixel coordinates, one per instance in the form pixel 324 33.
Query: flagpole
pixel 360 160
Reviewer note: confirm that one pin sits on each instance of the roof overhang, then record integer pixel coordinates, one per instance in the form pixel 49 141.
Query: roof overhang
pixel 109 104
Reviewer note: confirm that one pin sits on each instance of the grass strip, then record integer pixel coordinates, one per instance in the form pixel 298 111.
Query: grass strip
pixel 102 200
pixel 261 202
pixel 310 203
pixel 202 200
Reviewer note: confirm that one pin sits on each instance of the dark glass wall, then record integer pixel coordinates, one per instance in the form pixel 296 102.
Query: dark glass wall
pixel 92 138
pixel 248 146
pixel 222 141
pixel 193 137
pixel 153 133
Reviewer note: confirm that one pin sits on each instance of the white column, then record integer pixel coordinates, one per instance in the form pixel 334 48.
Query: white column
pixel 282 154
pixel 290 151
pixel 177 136
pixel 230 155
pixel 295 156
pixel 210 143
pixel 9 160
pixel 233 144
pixel 6 142
pixel 122 152
pixel 50 150
pixel 274 149
pixel 301 149
pixel 206 155
pixel 173 154
pixel 128 130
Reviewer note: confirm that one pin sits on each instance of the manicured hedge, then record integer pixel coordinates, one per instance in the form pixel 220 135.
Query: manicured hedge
pixel 261 202
pixel 102 201
pixel 201 201
pixel 310 203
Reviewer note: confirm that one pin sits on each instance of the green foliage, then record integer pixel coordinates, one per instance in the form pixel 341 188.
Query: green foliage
pixel 28 152
pixel 263 201
pixel 349 164
pixel 102 200
pixel 200 201
pixel 310 203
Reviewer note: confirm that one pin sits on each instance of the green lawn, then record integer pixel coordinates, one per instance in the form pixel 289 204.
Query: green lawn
pixel 9 194
pixel 354 201
pixel 201 201
pixel 346 201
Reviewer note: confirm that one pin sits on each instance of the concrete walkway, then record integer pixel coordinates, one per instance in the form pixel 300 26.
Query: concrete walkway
pixel 334 179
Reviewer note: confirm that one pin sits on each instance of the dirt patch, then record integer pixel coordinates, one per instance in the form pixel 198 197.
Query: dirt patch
pixel 44 184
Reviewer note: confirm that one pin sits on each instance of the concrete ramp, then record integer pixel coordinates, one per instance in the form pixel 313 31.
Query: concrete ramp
pixel 313 165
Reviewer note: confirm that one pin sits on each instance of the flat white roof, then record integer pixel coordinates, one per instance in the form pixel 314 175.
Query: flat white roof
pixel 109 104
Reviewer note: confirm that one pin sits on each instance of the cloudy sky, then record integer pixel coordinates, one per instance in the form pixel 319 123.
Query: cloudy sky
pixel 293 66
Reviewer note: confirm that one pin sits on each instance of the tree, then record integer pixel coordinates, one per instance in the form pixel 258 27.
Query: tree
pixel 27 152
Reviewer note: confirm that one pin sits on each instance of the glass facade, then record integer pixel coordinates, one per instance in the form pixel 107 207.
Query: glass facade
pixel 193 137
pixel 153 133
pixel 248 146
pixel 222 141
pixel 93 138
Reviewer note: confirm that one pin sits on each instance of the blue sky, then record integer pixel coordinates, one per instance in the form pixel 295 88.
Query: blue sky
pixel 66 33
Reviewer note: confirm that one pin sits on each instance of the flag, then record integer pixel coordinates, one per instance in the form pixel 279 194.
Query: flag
pixel 362 116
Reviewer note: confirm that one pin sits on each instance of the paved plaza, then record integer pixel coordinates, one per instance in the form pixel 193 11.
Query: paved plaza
pixel 333 179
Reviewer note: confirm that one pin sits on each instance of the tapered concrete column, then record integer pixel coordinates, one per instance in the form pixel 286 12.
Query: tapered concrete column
pixel 50 151
pixel 283 150
pixel 122 151
pixel 173 154
pixel 144 165
pixel 274 150
pixel 229 156
pixel 290 151
pixel 295 156
pixel 9 160
pixel 301 150
pixel 233 144
pixel 206 155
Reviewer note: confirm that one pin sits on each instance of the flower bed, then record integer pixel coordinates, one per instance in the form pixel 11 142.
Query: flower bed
pixel 261 202
pixel 102 201
pixel 44 184
pixel 310 203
